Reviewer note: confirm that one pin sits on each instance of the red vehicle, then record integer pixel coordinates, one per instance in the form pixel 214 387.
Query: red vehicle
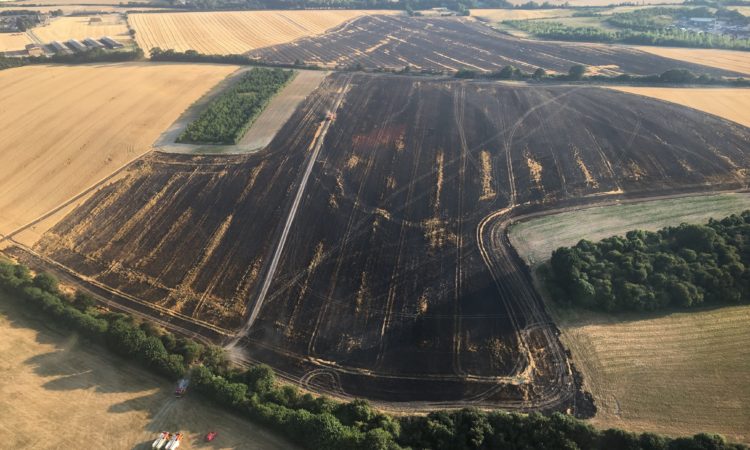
pixel 211 436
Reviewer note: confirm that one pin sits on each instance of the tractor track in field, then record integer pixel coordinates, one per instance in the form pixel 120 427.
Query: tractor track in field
pixel 385 269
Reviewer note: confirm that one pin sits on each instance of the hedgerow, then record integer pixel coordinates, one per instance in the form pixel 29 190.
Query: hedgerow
pixel 317 422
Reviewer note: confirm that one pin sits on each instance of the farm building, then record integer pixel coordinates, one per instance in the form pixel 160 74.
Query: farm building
pixel 34 50
pixel 77 45
pixel 60 48
pixel 111 43
pixel 93 43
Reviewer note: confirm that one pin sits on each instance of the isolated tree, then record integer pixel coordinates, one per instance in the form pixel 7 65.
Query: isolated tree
pixel 576 72
pixel 539 74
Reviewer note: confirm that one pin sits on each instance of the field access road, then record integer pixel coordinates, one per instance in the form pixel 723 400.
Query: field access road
pixel 314 148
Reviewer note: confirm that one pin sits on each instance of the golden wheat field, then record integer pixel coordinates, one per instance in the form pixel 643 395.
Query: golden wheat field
pixel 723 59
pixel 232 32
pixel 13 41
pixel 79 27
pixel 498 15
pixel 64 128
pixel 731 104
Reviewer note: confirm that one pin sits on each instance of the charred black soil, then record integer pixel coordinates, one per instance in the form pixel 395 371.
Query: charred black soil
pixel 450 44
pixel 396 281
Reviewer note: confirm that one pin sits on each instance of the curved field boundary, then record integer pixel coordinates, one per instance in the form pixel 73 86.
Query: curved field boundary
pixel 735 61
pixel 728 103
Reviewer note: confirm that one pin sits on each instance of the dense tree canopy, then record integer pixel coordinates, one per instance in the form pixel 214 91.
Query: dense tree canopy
pixel 228 116
pixel 675 267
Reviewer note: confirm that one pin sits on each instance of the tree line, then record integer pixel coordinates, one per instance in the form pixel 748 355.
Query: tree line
pixel 578 73
pixel 91 56
pixel 686 266
pixel 316 422
pixel 660 37
pixel 226 119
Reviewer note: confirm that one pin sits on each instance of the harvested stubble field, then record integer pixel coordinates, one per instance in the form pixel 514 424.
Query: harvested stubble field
pixel 584 3
pixel 678 373
pixel 232 32
pixel 78 27
pixel 450 44
pixel 14 41
pixel 64 128
pixel 731 60
pixel 498 15
pixel 59 392
pixel 382 287
pixel 731 104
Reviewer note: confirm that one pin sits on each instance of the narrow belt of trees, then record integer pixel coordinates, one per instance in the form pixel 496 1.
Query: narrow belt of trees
pixel 676 267
pixel 317 422
pixel 228 117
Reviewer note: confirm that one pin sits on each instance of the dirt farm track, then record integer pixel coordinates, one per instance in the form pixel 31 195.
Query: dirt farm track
pixel 398 237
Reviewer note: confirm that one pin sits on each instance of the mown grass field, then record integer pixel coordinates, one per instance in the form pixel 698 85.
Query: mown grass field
pixel 536 239
pixel 673 373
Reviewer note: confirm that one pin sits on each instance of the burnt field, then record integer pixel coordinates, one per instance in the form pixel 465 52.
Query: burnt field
pixel 450 44
pixel 185 232
pixel 393 282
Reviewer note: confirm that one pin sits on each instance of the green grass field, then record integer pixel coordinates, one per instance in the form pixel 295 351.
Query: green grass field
pixel 536 239
pixel 673 373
